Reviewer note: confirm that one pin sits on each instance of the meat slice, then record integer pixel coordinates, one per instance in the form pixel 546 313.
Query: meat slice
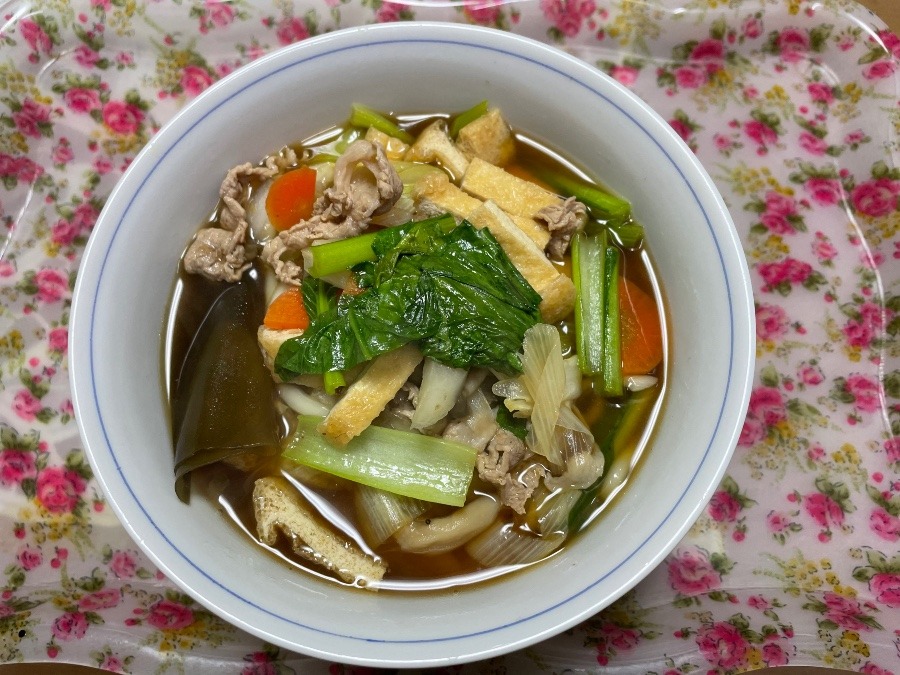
pixel 502 453
pixel 365 185
pixel 358 197
pixel 218 253
pixel 563 220
pixel 497 465
pixel 515 492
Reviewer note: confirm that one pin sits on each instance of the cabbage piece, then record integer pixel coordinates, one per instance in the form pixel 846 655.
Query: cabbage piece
pixel 503 544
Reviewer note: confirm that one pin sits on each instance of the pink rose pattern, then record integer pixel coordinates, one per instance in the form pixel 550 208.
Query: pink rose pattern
pixel 804 529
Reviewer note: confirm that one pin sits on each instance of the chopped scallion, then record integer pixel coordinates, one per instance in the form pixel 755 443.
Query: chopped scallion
pixel 588 268
pixel 611 363
pixel 467 117
pixel 364 117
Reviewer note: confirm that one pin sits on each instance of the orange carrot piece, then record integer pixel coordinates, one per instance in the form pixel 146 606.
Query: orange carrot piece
pixel 642 344
pixel 287 311
pixel 291 197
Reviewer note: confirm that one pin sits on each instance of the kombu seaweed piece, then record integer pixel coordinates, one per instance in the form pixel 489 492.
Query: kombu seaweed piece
pixel 223 394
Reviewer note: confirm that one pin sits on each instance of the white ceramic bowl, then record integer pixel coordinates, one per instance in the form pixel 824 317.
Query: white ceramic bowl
pixel 168 191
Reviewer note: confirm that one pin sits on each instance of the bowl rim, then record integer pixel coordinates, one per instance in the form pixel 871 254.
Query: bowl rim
pixel 741 359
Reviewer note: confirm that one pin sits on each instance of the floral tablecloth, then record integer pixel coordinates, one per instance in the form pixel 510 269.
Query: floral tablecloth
pixel 792 105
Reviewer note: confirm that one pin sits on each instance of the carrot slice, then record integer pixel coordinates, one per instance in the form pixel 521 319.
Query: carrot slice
pixel 291 197
pixel 287 311
pixel 642 345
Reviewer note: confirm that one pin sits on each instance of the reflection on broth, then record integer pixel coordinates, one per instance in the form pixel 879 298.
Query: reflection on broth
pixel 413 352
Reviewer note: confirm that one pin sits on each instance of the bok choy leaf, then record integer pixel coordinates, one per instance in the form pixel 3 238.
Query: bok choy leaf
pixel 455 293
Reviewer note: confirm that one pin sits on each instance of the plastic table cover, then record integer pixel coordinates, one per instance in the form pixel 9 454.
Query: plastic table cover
pixel 792 106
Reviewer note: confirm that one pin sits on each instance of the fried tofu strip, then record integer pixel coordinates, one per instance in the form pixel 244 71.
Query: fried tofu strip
pixel 438 190
pixel 366 398
pixel 489 138
pixel 514 195
pixel 556 289
pixel 434 144
pixel 278 507
pixel 394 148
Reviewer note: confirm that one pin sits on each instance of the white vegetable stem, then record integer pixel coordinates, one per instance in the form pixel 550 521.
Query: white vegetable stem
pixel 544 375
pixel 441 387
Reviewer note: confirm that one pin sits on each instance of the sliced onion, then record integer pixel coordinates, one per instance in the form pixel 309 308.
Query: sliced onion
pixel 573 379
pixel 324 176
pixel 441 387
pixel 300 402
pixel 517 398
pixel 544 376
pixel 553 514
pixel 382 513
pixel 502 544
pixel 582 460
pixel 413 172
pixel 401 212
pixel 473 381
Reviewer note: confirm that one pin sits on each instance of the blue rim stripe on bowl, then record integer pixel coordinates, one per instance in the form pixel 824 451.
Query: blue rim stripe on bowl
pixel 729 393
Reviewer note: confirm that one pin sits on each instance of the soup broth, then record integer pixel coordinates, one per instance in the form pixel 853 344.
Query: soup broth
pixel 257 411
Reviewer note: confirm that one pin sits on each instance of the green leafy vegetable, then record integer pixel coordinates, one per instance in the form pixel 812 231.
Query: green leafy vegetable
pixel 362 116
pixel 320 300
pixel 323 260
pixel 405 463
pixel 620 434
pixel 455 293
pixel 595 271
pixel 588 267
pixel 613 384
pixel 466 117
pixel 515 425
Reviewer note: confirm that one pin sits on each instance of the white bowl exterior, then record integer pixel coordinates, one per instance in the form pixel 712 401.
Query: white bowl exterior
pixel 128 270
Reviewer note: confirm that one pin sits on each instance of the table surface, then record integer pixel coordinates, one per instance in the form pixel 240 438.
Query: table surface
pixel 792 107
pixel 887 10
